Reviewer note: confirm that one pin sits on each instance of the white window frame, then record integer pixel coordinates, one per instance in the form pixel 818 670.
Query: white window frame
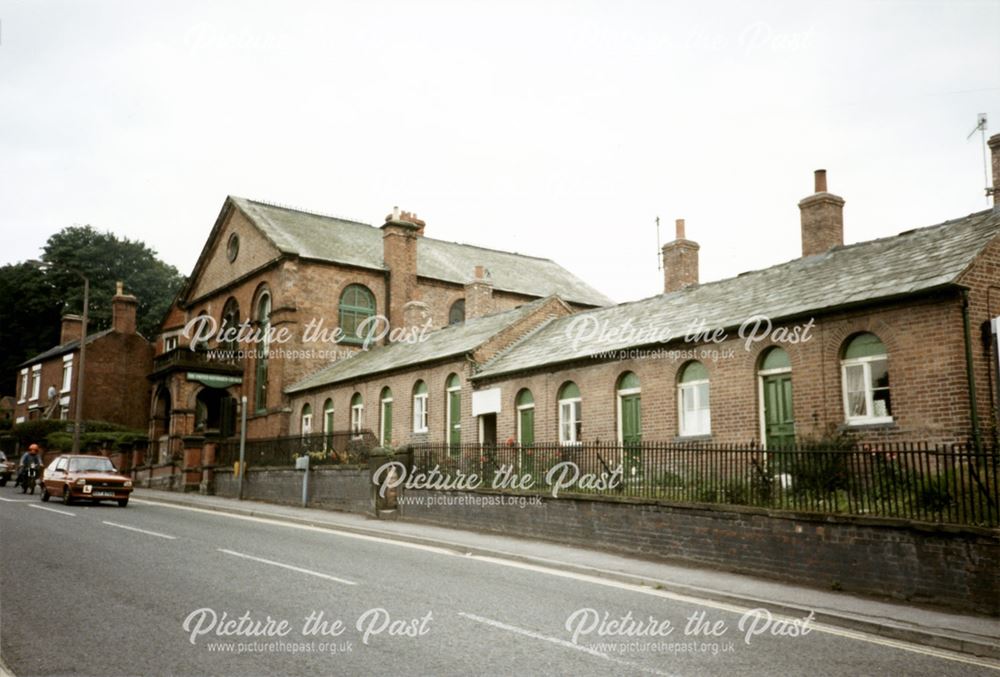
pixel 691 389
pixel 420 413
pixel 357 415
pixel 866 364
pixel 307 423
pixel 570 416
pixel 24 386
pixel 36 382
pixel 447 411
pixel 67 373
pixel 170 342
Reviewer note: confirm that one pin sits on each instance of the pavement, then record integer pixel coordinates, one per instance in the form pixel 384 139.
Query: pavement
pixel 975 635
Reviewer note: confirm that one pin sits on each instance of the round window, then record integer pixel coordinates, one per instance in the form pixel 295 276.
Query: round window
pixel 233 246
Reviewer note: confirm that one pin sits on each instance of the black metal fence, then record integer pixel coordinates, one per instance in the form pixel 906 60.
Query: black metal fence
pixel 333 448
pixel 953 484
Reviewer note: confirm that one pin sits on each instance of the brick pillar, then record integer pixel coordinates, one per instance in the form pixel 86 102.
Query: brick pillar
pixel 822 219
pixel 680 261
pixel 191 468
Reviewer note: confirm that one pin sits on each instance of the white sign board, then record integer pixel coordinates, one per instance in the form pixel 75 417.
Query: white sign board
pixel 486 401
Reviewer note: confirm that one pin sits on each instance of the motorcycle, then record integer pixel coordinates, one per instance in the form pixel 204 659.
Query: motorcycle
pixel 30 479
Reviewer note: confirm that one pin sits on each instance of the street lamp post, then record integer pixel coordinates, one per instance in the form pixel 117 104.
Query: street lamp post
pixel 78 392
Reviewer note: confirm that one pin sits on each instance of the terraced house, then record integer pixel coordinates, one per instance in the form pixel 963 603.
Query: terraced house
pixel 277 270
pixel 885 340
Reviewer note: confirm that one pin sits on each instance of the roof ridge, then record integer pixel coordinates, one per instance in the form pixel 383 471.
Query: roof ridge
pixel 490 249
pixel 301 210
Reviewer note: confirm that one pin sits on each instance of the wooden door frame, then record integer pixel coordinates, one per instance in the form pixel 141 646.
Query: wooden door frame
pixel 762 418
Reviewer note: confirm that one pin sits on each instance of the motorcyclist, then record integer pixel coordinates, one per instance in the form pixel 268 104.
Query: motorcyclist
pixel 29 458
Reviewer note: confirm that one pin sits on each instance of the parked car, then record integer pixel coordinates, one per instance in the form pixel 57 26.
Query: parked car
pixel 6 470
pixel 90 478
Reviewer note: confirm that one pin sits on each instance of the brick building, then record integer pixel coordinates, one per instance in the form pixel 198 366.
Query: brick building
pixel 118 361
pixel 297 277
pixel 886 340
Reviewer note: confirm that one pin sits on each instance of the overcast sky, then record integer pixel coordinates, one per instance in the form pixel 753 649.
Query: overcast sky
pixel 556 129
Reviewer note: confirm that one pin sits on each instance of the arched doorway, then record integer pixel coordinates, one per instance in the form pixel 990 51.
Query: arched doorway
pixel 775 386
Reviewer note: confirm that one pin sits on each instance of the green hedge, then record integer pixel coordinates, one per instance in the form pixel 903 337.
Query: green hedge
pixel 56 435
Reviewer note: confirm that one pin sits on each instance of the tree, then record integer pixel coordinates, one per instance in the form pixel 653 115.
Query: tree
pixel 32 300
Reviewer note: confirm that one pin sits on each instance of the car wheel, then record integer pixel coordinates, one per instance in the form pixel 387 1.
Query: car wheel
pixel 45 494
pixel 122 502
pixel 66 495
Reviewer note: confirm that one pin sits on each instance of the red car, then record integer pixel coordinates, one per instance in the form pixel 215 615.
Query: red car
pixel 91 478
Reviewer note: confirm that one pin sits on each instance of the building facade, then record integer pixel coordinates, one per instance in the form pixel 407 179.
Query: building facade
pixel 300 286
pixel 118 361
pixel 879 341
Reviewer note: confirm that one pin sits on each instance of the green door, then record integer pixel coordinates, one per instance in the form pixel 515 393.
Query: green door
pixel 454 420
pixel 526 423
pixel 631 435
pixel 386 423
pixel 779 423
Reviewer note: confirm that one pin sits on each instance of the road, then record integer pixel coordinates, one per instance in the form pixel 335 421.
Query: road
pixel 154 589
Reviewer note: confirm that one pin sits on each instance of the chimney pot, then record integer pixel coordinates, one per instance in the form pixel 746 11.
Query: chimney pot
pixel 679 224
pixel 820 180
pixel 680 261
pixel 123 311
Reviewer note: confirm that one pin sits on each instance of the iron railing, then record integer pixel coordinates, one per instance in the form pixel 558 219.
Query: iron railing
pixel 333 448
pixel 953 484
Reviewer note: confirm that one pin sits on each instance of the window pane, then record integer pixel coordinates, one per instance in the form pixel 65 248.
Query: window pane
pixel 857 400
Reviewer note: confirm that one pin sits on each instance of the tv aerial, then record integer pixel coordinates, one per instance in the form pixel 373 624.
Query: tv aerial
pixel 981 128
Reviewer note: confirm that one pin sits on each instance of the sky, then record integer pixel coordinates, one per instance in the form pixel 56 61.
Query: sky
pixel 557 129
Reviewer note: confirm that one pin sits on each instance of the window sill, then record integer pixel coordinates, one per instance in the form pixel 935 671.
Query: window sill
pixel 875 424
pixel 420 431
pixel 706 437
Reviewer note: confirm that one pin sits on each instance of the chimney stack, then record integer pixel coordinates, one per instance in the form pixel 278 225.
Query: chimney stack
pixel 123 310
pixel 72 328
pixel 399 254
pixel 822 219
pixel 479 294
pixel 994 143
pixel 680 261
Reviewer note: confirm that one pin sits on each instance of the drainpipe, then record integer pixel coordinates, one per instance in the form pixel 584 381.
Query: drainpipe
pixel 973 409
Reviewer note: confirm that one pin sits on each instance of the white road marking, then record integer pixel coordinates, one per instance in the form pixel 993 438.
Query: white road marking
pixel 310 572
pixel 15 500
pixel 55 510
pixel 141 531
pixel 688 599
pixel 560 642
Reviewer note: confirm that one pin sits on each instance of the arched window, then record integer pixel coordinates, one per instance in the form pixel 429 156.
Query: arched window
pixel 419 407
pixel 357 304
pixel 456 315
pixel 307 420
pixel 629 409
pixel 262 348
pixel 357 413
pixel 453 412
pixel 385 418
pixel 328 415
pixel 570 409
pixel 230 325
pixel 692 400
pixel 864 373
pixel 525 405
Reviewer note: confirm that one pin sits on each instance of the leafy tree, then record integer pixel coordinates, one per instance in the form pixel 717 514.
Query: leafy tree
pixel 32 300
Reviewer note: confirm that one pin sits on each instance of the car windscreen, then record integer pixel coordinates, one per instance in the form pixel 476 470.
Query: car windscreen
pixel 90 465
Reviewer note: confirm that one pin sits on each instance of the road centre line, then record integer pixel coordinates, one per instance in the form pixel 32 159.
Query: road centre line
pixel 55 510
pixel 687 599
pixel 310 572
pixel 560 642
pixel 141 531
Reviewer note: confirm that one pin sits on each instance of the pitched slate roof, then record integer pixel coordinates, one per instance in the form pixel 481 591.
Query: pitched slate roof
pixel 915 261
pixel 458 339
pixel 328 238
pixel 64 348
